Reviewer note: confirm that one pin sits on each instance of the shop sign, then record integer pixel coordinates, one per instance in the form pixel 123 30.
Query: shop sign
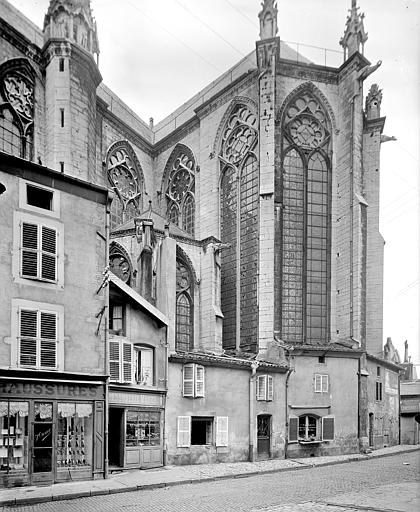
pixel 51 390
pixel 118 398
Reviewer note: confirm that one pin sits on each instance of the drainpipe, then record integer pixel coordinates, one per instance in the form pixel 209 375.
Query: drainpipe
pixel 106 337
pixel 399 407
pixel 254 366
pixel 286 402
pixel 165 436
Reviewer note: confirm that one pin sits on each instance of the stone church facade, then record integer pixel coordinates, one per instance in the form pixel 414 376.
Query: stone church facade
pixel 233 308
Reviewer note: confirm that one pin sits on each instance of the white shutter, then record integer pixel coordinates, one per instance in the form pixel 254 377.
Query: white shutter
pixel 199 381
pixel 48 254
pixel 28 321
pixel 127 361
pixel 188 380
pixel 262 387
pixel 222 430
pixel 318 383
pixel 270 389
pixel 29 247
pixel 328 428
pixel 114 360
pixel 48 350
pixel 325 383
pixel 183 431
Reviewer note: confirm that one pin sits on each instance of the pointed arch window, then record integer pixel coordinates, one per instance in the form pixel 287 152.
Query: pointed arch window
pixel 16 112
pixel 184 306
pixel 303 187
pixel 125 176
pixel 239 186
pixel 179 185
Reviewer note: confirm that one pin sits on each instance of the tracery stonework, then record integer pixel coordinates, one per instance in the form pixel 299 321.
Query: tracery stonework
pixel 180 190
pixel 184 307
pixel 20 95
pixel 239 228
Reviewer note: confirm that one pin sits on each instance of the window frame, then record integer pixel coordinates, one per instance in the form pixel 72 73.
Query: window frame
pixel 186 291
pixel 265 388
pixel 193 385
pixel 23 199
pixel 321 383
pixel 138 349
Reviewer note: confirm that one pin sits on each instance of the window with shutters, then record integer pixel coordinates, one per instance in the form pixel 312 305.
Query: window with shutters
pixel 265 387
pixel 309 428
pixel 39 252
pixel 121 360
pixel 378 391
pixel 321 383
pixel 193 381
pixel 202 431
pixel 37 339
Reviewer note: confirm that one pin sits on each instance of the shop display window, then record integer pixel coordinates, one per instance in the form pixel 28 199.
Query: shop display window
pixel 74 435
pixel 13 435
pixel 143 428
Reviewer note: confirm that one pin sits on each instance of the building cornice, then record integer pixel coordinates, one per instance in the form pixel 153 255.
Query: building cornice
pixel 19 41
pixel 374 125
pixel 388 364
pixel 303 71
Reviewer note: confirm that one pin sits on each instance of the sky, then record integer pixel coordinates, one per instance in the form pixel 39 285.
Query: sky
pixel 156 54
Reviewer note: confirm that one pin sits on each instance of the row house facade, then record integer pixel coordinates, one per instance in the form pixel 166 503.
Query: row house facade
pixel 227 262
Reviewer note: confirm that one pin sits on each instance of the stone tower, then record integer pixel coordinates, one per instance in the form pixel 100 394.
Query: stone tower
pixel 72 76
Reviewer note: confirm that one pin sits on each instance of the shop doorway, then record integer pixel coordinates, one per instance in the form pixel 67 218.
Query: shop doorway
pixel 116 437
pixel 42 435
pixel 263 436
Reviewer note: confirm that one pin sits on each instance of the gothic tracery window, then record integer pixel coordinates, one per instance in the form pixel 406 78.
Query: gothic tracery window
pixel 303 189
pixel 16 113
pixel 180 189
pixel 126 178
pixel 184 305
pixel 239 228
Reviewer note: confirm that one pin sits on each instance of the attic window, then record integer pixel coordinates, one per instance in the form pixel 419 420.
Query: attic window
pixel 39 197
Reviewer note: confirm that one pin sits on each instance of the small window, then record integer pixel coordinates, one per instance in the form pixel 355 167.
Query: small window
pixel 61 167
pixel 62 117
pixel 193 381
pixel 378 371
pixel 61 64
pixel 145 366
pixel 321 383
pixel 39 197
pixel 321 359
pixel 265 387
pixel 378 392
pixel 117 319
pixel 201 431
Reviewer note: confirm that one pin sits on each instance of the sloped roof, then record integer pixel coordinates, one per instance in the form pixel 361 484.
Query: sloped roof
pixel 159 223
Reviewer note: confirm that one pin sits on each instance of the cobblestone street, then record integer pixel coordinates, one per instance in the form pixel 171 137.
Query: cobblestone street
pixel 382 484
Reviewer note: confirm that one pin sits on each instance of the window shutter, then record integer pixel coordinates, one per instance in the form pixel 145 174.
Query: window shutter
pixel 114 360
pixel 293 428
pixel 48 254
pixel 261 387
pixel 188 380
pixel 28 320
pixel 270 389
pixel 199 381
pixel 318 383
pixel 328 428
pixel 127 361
pixel 222 430
pixel 325 383
pixel 29 261
pixel 184 431
pixel 48 340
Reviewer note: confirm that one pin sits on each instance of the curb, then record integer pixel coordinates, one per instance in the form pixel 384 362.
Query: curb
pixel 150 487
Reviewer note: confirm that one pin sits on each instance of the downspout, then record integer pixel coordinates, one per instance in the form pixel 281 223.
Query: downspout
pixel 165 436
pixel 286 402
pixel 106 337
pixel 399 407
pixel 351 212
pixel 254 367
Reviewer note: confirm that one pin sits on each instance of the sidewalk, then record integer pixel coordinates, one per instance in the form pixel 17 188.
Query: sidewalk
pixel 135 480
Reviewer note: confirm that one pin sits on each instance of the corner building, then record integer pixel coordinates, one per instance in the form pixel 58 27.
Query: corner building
pixel 243 314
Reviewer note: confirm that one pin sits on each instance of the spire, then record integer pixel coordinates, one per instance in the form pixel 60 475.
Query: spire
pixel 354 35
pixel 373 102
pixel 268 19
pixel 72 20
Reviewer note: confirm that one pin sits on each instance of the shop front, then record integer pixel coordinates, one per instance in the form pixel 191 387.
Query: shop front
pixel 50 430
pixel 136 424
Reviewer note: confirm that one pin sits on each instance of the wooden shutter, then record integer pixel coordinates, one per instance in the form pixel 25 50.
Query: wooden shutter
pixel 293 428
pixel 28 322
pixel 318 383
pixel 127 361
pixel 270 388
pixel 328 428
pixel 188 380
pixel 98 446
pixel 222 430
pixel 199 381
pixel 48 254
pixel 114 360
pixel 48 349
pixel 29 258
pixel 183 431
pixel 262 387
